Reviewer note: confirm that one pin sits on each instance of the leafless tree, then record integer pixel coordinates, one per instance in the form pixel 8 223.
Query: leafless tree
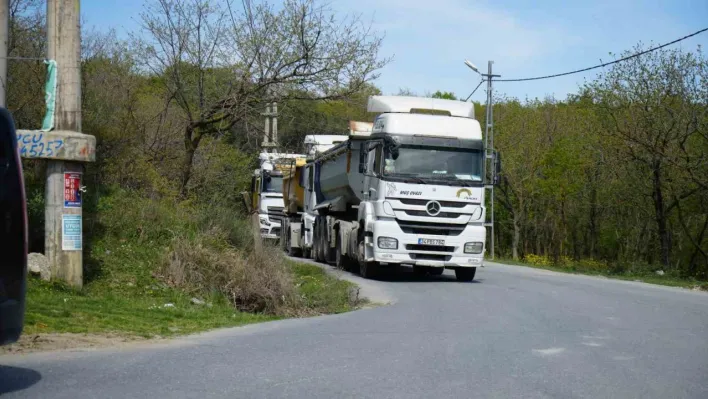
pixel 222 62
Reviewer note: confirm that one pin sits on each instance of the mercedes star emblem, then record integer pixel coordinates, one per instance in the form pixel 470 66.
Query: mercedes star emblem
pixel 433 208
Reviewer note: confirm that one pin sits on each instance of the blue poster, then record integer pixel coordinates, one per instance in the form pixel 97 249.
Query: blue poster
pixel 71 232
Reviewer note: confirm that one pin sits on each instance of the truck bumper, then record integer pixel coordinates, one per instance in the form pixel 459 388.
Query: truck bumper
pixel 271 232
pixel 450 254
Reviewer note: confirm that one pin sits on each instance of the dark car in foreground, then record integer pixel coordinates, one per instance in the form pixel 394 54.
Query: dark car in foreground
pixel 13 234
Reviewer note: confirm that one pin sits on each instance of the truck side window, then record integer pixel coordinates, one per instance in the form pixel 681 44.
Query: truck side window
pixel 377 159
pixel 371 161
pixel 311 178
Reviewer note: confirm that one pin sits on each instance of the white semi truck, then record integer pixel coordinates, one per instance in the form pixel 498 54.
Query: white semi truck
pixel 266 194
pixel 410 191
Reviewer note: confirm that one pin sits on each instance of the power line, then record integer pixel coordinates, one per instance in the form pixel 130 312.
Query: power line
pixel 605 64
pixel 475 89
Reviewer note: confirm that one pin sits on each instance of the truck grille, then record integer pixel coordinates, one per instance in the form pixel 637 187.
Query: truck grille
pixel 444 258
pixel 449 215
pixel 276 210
pixel 422 202
pixel 276 213
pixel 440 229
pixel 431 248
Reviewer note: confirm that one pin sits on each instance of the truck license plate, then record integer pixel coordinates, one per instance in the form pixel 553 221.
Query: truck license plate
pixel 428 241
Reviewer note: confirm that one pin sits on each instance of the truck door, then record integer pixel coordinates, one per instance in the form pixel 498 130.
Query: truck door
pixel 370 179
pixel 257 193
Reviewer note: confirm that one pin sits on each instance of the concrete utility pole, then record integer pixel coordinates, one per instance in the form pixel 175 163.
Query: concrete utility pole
pixel 4 43
pixel 270 131
pixel 63 244
pixel 490 155
pixel 489 145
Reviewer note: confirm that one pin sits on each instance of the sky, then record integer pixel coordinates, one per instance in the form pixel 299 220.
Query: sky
pixel 430 39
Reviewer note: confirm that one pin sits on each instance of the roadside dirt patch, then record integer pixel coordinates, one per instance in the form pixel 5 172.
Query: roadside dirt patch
pixel 57 342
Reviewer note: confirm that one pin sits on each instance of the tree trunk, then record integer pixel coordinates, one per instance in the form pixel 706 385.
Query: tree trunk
pixel 660 213
pixel 593 220
pixel 517 236
pixel 191 142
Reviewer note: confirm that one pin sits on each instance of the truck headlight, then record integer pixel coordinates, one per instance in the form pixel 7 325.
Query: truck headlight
pixel 264 220
pixel 388 243
pixel 474 247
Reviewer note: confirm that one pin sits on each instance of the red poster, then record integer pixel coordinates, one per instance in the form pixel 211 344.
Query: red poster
pixel 72 190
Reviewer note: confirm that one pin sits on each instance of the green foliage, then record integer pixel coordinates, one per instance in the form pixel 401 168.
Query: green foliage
pixel 446 95
pixel 299 118
pixel 614 173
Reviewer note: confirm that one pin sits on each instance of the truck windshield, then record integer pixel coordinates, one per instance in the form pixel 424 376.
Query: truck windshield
pixel 274 184
pixel 435 164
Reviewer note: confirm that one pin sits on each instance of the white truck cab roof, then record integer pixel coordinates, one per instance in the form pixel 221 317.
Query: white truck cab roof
pixel 406 116
pixel 267 160
pixel 319 143
pixel 408 105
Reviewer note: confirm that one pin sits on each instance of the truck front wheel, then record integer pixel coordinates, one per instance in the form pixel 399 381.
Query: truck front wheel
pixel 465 273
pixel 318 241
pixel 368 270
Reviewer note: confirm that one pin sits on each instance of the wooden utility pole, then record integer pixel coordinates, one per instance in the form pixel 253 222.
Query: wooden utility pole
pixel 4 42
pixel 63 240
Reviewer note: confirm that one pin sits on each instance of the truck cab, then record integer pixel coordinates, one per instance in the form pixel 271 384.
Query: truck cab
pixel 267 192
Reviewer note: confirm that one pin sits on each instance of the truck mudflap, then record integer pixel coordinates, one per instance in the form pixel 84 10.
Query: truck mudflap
pixel 294 231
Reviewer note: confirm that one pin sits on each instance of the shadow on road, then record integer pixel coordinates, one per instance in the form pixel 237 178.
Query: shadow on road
pixel 16 379
pixel 405 274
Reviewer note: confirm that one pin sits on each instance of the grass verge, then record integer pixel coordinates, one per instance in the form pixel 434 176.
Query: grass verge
pixel 161 311
pixel 160 268
pixel 645 277
pixel 53 308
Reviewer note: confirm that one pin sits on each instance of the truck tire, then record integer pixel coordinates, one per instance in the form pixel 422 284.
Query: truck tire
pixel 465 273
pixel 283 238
pixel 369 270
pixel 339 259
pixel 330 253
pixel 305 251
pixel 319 241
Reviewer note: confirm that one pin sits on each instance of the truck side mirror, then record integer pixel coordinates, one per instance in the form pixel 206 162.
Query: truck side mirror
pixel 497 167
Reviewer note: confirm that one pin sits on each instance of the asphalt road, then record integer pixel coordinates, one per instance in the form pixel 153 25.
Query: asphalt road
pixel 513 333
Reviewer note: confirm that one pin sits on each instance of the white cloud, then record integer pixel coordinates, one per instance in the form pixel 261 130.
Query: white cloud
pixel 432 37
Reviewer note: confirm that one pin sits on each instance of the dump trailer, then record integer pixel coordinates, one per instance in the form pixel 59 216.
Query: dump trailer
pixel 299 216
pixel 409 191
pixel 293 199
